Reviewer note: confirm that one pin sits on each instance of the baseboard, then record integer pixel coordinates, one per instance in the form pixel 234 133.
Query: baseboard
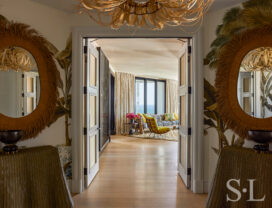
pixel 104 146
pixel 197 186
pixel 77 186
pixel 206 186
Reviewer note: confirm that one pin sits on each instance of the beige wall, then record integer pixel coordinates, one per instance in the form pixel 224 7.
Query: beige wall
pixel 53 25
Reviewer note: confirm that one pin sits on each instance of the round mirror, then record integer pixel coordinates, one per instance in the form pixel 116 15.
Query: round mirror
pixel 28 85
pixel 254 87
pixel 19 82
pixel 244 83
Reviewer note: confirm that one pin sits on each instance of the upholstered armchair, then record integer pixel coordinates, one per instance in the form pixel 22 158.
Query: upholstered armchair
pixel 154 128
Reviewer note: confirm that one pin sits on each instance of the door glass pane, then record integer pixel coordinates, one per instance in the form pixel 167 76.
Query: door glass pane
pixel 150 96
pixel 246 87
pixel 30 84
pixel 93 150
pixel 92 111
pixel 93 71
pixel 246 101
pixel 182 70
pixel 183 151
pixel 160 97
pixel 183 111
pixel 30 104
pixel 139 92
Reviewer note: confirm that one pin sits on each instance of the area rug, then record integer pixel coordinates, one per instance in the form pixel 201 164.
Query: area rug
pixel 170 136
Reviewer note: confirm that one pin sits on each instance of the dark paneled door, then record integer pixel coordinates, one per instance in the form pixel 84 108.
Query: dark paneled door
pixel 104 99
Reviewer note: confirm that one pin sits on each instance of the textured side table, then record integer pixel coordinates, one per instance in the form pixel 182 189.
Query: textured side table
pixel 33 178
pixel 242 164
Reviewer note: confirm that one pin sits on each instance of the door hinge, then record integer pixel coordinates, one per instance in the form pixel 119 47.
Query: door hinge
pixel 85 171
pixel 189 131
pixel 84 131
pixel 23 75
pixel 189 90
pixel 85 90
pixel 189 172
pixel 85 49
pixel 23 94
pixel 189 49
pixel 23 114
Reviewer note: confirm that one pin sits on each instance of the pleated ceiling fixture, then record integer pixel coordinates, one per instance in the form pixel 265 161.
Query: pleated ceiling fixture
pixel 153 14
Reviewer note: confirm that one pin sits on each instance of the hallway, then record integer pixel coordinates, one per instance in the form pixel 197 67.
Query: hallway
pixel 138 173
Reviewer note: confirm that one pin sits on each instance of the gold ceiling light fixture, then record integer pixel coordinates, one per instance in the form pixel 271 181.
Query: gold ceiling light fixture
pixel 15 58
pixel 154 14
pixel 259 59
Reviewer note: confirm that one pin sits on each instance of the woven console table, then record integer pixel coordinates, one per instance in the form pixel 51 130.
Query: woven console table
pixel 33 178
pixel 242 164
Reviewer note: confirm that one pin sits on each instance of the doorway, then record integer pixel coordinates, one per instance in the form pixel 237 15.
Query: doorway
pixel 187 181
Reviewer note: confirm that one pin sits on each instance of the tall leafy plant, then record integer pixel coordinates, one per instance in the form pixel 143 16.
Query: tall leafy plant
pixel 64 103
pixel 212 119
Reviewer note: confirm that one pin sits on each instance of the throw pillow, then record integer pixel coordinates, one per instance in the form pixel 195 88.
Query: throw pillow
pixel 169 117
pixel 176 116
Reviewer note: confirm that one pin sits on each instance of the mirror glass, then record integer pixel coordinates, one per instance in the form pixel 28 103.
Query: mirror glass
pixel 19 82
pixel 254 89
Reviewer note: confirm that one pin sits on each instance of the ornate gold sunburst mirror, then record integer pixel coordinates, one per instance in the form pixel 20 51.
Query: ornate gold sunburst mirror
pixel 244 83
pixel 28 80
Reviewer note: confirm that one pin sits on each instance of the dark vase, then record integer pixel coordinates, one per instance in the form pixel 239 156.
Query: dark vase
pixel 132 121
pixel 10 138
pixel 263 138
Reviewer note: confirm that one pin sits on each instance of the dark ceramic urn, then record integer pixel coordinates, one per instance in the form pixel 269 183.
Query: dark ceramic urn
pixel 263 138
pixel 10 138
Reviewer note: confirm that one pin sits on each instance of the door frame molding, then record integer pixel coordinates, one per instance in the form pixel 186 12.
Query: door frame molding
pixel 78 33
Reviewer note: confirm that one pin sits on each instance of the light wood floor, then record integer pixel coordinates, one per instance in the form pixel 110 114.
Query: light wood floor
pixel 138 173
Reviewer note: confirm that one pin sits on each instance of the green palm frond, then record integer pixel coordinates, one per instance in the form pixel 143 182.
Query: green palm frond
pixel 257 17
pixel 256 3
pixel 2 18
pixel 209 92
pixel 232 15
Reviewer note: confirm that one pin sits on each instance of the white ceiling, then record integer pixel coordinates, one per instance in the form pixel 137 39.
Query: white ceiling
pixel 156 58
pixel 70 5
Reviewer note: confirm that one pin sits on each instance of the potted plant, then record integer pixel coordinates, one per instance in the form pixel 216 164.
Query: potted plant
pixel 132 117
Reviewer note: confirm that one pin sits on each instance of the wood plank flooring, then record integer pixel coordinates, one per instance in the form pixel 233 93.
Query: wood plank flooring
pixel 138 173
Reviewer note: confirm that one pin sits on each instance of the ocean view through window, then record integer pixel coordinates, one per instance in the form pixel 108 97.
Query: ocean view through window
pixel 149 96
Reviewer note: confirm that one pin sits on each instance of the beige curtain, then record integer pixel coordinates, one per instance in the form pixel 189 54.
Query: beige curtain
pixel 171 96
pixel 124 99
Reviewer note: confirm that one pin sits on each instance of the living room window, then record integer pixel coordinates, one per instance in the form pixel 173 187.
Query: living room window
pixel 150 96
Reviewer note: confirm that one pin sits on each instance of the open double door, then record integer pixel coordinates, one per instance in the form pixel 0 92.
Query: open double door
pixel 91 113
pixel 185 114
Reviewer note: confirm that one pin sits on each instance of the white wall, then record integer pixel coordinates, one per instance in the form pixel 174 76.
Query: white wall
pixel 54 25
pixel 211 22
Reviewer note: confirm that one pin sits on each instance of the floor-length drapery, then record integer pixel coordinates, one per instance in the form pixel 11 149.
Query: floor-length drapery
pixel 124 99
pixel 171 96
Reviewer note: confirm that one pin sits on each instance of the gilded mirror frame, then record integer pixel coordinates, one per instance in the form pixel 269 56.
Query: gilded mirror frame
pixel 227 74
pixel 21 35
